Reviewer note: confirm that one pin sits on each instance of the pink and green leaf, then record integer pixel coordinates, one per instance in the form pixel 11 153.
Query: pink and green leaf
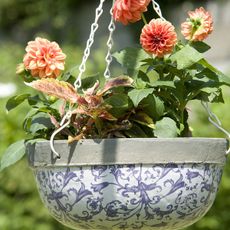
pixel 116 82
pixel 54 87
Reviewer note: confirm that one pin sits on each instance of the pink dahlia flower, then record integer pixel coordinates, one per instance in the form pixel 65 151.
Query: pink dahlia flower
pixel 43 58
pixel 126 11
pixel 158 37
pixel 198 26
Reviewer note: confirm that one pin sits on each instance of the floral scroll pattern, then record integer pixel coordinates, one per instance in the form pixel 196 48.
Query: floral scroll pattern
pixel 129 196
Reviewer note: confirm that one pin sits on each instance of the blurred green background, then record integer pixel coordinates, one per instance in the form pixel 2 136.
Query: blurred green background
pixel 68 22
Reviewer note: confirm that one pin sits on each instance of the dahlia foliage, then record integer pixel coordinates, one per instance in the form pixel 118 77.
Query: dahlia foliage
pixel 148 99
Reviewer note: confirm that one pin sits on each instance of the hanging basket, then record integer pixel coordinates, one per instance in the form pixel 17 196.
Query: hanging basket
pixel 129 183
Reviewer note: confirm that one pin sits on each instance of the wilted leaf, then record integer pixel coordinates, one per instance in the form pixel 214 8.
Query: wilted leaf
pixel 137 95
pixel 116 82
pixel 13 154
pixel 54 87
pixel 15 101
pixel 166 128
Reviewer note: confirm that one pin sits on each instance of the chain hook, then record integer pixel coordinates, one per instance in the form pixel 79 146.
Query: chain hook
pixel 215 121
pixel 63 125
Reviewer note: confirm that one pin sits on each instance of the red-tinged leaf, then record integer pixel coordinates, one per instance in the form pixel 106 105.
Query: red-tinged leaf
pixel 82 101
pixel 54 121
pixel 95 112
pixel 92 90
pixel 54 87
pixel 94 101
pixel 107 116
pixel 116 82
pixel 62 109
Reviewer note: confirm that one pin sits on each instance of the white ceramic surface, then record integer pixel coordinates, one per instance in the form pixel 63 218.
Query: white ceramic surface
pixel 159 197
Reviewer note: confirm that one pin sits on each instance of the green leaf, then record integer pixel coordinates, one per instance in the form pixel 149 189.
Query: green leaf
pixel 16 100
pixel 13 154
pixel 137 95
pixel 200 46
pixel 143 119
pixel 153 106
pixel 27 121
pixel 89 81
pixel 162 84
pixel 211 95
pixel 221 77
pixel 140 84
pixel 120 104
pixel 118 101
pixel 135 132
pixel 186 57
pixel 166 128
pixel 39 122
pixel 131 58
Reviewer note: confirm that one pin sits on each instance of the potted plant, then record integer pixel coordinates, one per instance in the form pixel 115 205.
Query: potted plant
pixel 123 156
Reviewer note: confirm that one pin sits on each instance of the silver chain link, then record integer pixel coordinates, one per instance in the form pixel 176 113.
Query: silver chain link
pixel 90 41
pixel 77 84
pixel 109 57
pixel 157 8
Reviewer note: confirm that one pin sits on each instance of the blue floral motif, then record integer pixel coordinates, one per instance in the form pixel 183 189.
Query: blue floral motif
pixel 165 196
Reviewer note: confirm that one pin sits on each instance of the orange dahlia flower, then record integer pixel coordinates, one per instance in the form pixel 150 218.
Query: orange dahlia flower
pixel 158 37
pixel 198 26
pixel 43 58
pixel 126 11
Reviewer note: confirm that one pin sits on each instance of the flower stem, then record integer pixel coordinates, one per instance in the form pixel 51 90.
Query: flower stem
pixel 144 19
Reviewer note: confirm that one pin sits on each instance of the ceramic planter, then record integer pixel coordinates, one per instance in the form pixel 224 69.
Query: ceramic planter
pixel 129 183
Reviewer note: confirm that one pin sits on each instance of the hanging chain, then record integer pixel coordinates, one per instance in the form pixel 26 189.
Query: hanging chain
pixel 89 43
pixel 109 57
pixel 157 8
pixel 215 121
pixel 77 84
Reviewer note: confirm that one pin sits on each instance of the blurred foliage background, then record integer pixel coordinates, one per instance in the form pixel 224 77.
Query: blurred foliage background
pixel 68 23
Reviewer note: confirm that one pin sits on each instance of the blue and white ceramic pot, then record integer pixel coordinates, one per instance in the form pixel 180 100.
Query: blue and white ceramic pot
pixel 129 183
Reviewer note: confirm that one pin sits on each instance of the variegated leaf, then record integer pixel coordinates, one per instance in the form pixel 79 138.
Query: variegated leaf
pixel 116 82
pixel 54 87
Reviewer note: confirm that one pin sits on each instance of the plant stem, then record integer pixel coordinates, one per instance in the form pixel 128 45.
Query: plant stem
pixel 144 19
